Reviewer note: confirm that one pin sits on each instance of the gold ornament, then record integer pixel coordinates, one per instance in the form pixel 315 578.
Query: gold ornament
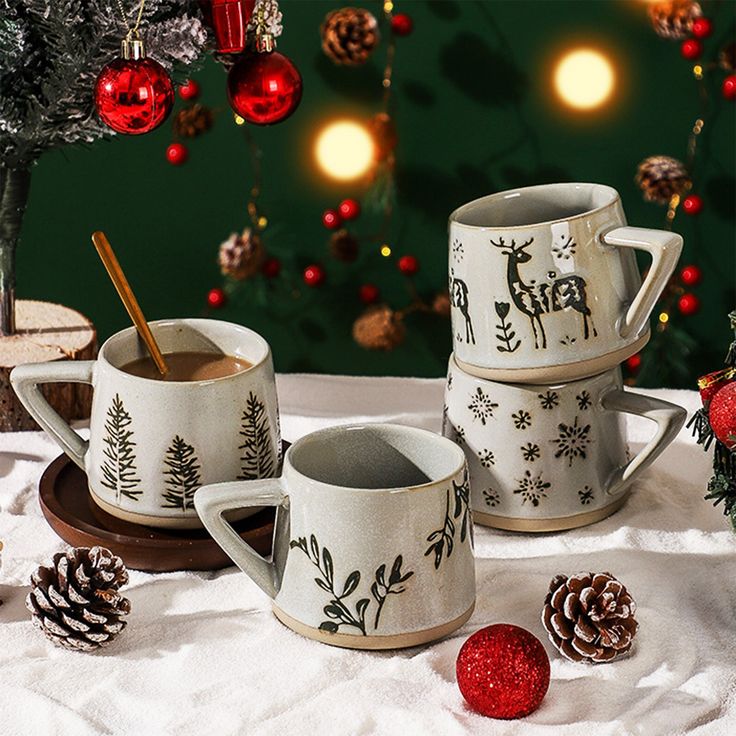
pixel 349 36
pixel 241 256
pixel 673 19
pixel 379 328
pixel 344 246
pixel 662 177
pixel 192 121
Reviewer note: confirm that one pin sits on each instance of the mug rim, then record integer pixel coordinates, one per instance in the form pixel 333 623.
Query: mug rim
pixel 458 212
pixel 288 466
pixel 194 321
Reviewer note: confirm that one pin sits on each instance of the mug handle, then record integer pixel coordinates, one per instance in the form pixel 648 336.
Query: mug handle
pixel 664 247
pixel 27 379
pixel 212 501
pixel 669 419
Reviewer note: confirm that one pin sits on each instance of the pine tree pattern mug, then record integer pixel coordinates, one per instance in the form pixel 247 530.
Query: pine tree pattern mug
pixel 153 443
pixel 544 284
pixel 552 456
pixel 372 545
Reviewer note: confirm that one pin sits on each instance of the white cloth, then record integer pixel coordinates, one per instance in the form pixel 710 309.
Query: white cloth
pixel 202 653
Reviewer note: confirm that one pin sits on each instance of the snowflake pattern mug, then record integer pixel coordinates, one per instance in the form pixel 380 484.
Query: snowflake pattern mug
pixel 153 443
pixel 550 457
pixel 544 284
pixel 372 545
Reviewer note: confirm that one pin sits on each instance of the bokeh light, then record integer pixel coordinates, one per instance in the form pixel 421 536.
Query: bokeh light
pixel 584 78
pixel 345 150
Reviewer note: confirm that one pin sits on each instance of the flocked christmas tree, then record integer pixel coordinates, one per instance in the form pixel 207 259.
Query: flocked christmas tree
pixel 119 472
pixel 182 476
pixel 257 460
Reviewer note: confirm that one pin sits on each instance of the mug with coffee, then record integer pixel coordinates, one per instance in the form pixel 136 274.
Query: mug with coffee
pixel 544 284
pixel 153 440
pixel 372 546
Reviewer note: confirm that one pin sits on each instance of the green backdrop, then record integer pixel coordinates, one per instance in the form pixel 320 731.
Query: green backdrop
pixel 475 113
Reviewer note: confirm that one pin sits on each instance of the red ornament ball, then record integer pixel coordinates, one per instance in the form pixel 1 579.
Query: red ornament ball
pixel 503 671
pixel 189 90
pixel 216 298
pixel 331 219
pixel 314 275
pixel 729 87
pixel 691 275
pixel 264 88
pixel 369 293
pixel 133 96
pixel 177 154
pixel 408 265
pixel 349 209
pixel 692 204
pixel 688 304
pixel 271 268
pixel 634 363
pixel 722 415
pixel 402 24
pixel 710 384
pixel 702 27
pixel 691 49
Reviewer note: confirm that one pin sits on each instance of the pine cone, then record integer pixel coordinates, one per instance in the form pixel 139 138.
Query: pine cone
pixel 76 602
pixel 192 121
pixel 673 19
pixel 379 328
pixel 589 616
pixel 661 177
pixel 344 246
pixel 349 35
pixel 727 57
pixel 241 255
pixel 441 304
pixel 385 135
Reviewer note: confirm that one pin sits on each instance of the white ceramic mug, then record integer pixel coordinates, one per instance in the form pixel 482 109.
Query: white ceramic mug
pixel 372 546
pixel 552 456
pixel 153 443
pixel 544 284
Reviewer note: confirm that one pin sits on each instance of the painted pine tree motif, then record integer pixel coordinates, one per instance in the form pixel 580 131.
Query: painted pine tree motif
pixel 119 471
pixel 182 476
pixel 257 460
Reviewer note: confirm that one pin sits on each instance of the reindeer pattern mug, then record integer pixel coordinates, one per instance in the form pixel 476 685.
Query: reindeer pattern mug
pixel 544 284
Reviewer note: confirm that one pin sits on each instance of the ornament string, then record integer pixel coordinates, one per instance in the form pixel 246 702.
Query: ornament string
pixel 132 30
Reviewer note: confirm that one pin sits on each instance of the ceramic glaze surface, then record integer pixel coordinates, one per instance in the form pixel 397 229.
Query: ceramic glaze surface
pixel 550 451
pixel 546 276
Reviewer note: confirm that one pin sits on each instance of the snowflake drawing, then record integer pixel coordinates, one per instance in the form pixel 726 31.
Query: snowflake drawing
pixel 583 399
pixel 532 488
pixel 459 435
pixel 492 497
pixel 522 419
pixel 481 405
pixel 567 340
pixel 457 250
pixel 486 458
pixel 565 249
pixel 549 400
pixel 572 441
pixel 586 495
pixel 530 451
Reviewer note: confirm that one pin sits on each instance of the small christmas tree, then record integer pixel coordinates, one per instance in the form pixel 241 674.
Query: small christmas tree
pixel 183 475
pixel 257 460
pixel 119 470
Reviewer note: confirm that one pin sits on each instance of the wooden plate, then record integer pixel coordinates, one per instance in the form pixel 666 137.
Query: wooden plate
pixel 74 516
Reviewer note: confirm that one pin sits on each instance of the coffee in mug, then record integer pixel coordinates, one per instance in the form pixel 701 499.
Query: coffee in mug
pixel 188 366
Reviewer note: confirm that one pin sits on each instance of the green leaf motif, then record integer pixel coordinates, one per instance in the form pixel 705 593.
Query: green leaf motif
pixel 257 460
pixel 119 471
pixel 182 477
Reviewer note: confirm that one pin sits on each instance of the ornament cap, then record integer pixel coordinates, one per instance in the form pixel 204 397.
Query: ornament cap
pixel 265 43
pixel 133 48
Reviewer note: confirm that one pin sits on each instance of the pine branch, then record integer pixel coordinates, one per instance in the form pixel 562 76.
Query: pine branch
pixel 183 475
pixel 257 460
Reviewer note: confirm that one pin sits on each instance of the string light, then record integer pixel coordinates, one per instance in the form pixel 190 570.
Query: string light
pixel 584 79
pixel 385 250
pixel 238 120
pixel 664 318
pixel 345 150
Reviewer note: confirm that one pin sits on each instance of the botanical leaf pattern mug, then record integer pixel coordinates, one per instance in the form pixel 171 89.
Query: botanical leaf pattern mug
pixel 554 456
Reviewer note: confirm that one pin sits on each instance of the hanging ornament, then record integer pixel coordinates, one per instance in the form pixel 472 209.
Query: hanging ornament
pixel 241 256
pixel 661 177
pixel 503 671
pixel 688 304
pixel 314 275
pixel 369 293
pixel 263 86
pixel 344 246
pixel 192 121
pixel 189 90
pixel 692 204
pixel 702 27
pixel 177 154
pixel 710 384
pixel 331 219
pixel 271 268
pixel 379 328
pixel 229 20
pixel 349 36
pixel 349 209
pixel 673 19
pixel 216 298
pixel 691 275
pixel 691 49
pixel 722 415
pixel 402 24
pixel 408 265
pixel 729 87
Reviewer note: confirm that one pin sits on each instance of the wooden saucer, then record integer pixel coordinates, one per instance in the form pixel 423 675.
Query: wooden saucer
pixel 68 507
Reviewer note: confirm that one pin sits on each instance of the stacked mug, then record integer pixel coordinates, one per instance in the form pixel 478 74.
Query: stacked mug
pixel 547 301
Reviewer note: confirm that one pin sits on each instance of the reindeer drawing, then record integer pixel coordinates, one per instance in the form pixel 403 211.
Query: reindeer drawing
pixel 535 299
pixel 459 299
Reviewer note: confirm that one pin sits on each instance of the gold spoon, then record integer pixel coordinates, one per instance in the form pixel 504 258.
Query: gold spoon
pixel 106 253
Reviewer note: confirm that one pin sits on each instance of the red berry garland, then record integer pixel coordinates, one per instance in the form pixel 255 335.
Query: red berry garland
pixel 402 24
pixel 702 27
pixel 691 275
pixel 177 154
pixel 729 87
pixel 369 293
pixel 331 219
pixel 503 671
pixel 216 298
pixel 691 49
pixel 722 415
pixel 408 265
pixel 314 275
pixel 688 304
pixel 634 363
pixel 349 209
pixel 692 204
pixel 189 90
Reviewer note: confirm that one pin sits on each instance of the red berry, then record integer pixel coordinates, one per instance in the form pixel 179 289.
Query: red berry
pixel 702 27
pixel 691 275
pixel 729 87
pixel 189 90
pixel 688 304
pixel 271 268
pixel 369 293
pixel 349 209
pixel 634 363
pixel 692 204
pixel 402 24
pixel 331 219
pixel 177 154
pixel 408 265
pixel 216 298
pixel 314 275
pixel 691 49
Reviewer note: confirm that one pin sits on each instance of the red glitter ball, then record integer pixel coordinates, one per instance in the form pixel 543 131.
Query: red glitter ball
pixel 692 204
pixel 710 384
pixel 409 265
pixel 331 219
pixel 729 87
pixel 702 27
pixel 691 275
pixel 271 268
pixel 503 671
pixel 189 90
pixel 349 209
pixel 314 275
pixel 634 363
pixel 722 415
pixel 688 304
pixel 177 154
pixel 216 298
pixel 402 24
pixel 691 49
pixel 369 293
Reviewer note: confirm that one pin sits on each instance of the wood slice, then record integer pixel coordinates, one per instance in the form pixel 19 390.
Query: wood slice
pixel 45 332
